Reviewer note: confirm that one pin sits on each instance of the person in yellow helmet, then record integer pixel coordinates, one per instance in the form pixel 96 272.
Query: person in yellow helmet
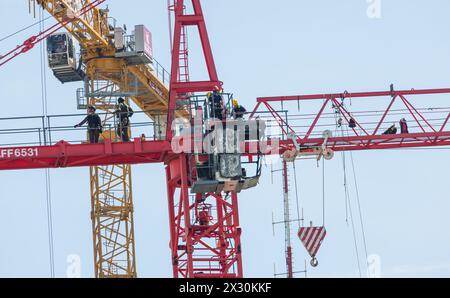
pixel 238 110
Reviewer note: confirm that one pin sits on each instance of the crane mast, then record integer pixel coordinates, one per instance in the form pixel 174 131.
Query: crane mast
pixel 204 224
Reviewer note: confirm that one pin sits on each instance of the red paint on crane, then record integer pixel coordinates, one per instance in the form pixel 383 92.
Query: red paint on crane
pixel 198 251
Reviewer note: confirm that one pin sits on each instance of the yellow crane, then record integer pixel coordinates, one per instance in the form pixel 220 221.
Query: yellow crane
pixel 111 69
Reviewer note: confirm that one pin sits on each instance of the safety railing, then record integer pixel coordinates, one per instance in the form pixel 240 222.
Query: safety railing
pixel 161 72
pixel 48 130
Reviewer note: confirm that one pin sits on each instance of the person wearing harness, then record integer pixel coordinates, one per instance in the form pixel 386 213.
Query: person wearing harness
pixel 216 105
pixel 94 125
pixel 238 110
pixel 403 126
pixel 123 115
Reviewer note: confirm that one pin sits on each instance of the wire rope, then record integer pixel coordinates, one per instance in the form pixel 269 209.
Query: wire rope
pixel 350 212
pixel 349 206
pixel 323 192
pixel 360 210
pixel 297 200
pixel 47 171
pixel 23 29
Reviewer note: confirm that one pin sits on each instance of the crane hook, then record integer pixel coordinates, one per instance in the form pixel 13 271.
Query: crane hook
pixel 314 262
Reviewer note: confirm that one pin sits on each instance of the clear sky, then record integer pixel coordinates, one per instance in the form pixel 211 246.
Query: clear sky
pixel 261 48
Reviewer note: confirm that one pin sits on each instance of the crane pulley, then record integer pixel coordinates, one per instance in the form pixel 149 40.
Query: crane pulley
pixel 318 151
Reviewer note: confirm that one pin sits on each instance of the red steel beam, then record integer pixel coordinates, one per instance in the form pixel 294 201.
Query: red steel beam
pixel 351 143
pixel 64 155
pixel 379 142
pixel 353 95
pixel 202 86
pixel 178 88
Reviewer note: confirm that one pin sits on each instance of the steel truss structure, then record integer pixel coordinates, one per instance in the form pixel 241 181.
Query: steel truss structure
pixel 111 188
pixel 361 137
pixel 204 229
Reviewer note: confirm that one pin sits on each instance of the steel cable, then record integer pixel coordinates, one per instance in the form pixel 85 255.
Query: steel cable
pixel 47 171
pixel 23 29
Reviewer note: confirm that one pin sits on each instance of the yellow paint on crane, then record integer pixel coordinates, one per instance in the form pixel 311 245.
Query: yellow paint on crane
pixel 92 31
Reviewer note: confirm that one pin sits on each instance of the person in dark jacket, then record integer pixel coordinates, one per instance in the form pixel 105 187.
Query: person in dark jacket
pixel 94 125
pixel 391 130
pixel 238 110
pixel 123 114
pixel 352 123
pixel 216 105
pixel 403 126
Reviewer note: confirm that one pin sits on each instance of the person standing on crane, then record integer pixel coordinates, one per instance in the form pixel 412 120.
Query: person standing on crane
pixel 403 126
pixel 94 125
pixel 238 110
pixel 123 114
pixel 216 104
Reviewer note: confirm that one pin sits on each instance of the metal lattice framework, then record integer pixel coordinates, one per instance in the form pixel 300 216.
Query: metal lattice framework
pixel 111 188
pixel 91 28
pixel 76 25
pixel 212 250
pixel 364 136
pixel 202 249
pixel 112 221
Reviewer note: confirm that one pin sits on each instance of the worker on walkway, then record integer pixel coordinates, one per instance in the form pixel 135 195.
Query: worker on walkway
pixel 238 110
pixel 216 105
pixel 391 130
pixel 123 114
pixel 403 126
pixel 94 125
